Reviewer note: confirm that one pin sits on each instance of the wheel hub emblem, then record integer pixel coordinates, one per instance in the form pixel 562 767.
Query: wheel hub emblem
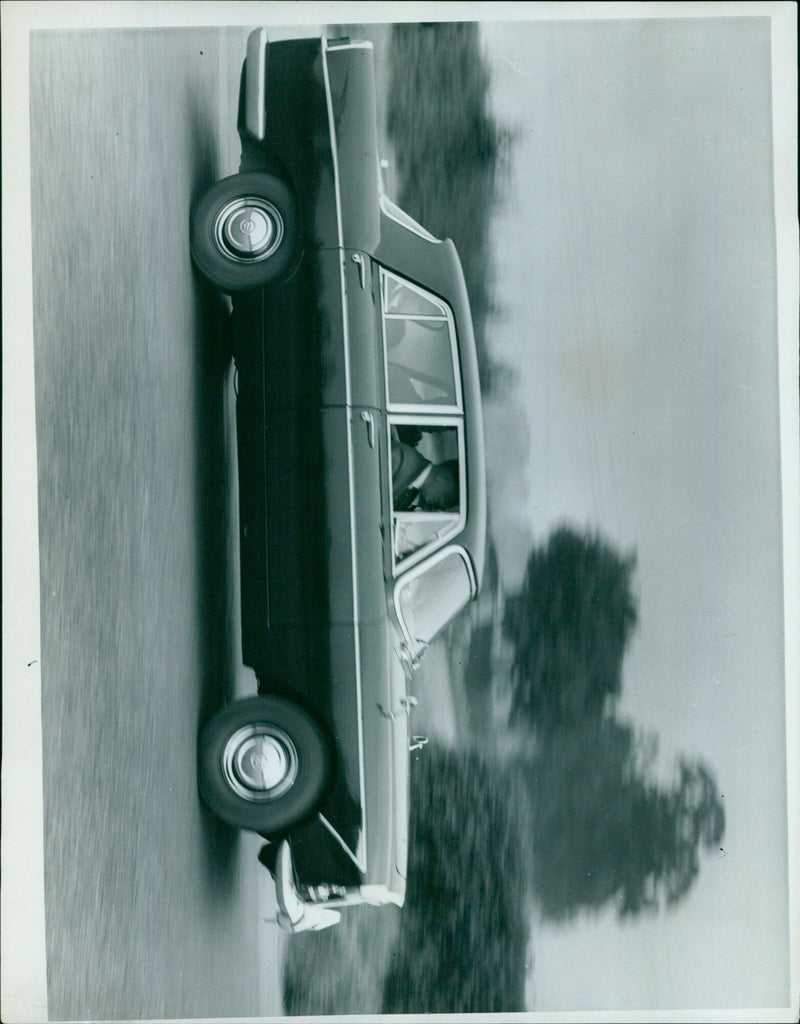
pixel 260 762
pixel 248 229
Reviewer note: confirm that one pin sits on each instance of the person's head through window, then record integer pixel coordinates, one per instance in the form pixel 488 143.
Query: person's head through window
pixel 439 491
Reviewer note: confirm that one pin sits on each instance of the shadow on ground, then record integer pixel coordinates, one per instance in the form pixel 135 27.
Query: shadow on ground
pixel 212 502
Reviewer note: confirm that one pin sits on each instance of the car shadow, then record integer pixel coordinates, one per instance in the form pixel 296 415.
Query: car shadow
pixel 212 365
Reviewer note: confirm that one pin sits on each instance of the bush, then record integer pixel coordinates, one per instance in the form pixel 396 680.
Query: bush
pixel 464 929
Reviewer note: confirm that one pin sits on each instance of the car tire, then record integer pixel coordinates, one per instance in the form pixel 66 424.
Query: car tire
pixel 264 764
pixel 244 231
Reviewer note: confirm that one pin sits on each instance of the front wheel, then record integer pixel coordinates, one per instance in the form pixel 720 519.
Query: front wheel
pixel 263 764
pixel 244 231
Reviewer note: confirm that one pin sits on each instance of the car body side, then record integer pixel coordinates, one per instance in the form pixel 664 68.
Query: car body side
pixel 319 584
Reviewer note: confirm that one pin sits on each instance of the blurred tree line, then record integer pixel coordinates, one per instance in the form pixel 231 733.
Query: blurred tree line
pixel 569 624
pixel 464 927
pixel 580 822
pixel 603 829
pixel 450 153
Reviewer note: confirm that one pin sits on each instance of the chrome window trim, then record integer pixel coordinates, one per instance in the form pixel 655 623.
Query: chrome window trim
pixel 399 216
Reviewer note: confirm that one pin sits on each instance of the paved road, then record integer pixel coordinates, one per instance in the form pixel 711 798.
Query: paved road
pixel 153 907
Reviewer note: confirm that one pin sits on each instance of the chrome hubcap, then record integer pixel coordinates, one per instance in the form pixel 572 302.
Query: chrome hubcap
pixel 259 762
pixel 248 229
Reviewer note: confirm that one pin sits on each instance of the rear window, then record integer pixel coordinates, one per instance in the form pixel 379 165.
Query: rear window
pixel 419 348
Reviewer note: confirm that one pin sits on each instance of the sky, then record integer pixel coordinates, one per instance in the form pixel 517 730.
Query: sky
pixel 636 276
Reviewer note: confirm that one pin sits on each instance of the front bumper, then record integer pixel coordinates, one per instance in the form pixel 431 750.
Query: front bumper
pixel 298 915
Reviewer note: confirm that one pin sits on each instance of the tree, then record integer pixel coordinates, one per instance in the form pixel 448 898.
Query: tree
pixel 603 829
pixel 695 815
pixel 569 625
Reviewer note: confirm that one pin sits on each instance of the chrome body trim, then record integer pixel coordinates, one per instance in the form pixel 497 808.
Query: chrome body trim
pixel 256 83
pixel 405 219
pixel 348 392
pixel 358 861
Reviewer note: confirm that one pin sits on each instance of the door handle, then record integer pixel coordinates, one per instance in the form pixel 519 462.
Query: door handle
pixel 369 419
pixel 358 259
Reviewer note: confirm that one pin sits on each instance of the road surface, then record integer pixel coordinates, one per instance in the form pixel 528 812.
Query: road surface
pixel 153 907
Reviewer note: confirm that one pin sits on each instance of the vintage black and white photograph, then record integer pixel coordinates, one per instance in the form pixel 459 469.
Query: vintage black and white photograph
pixel 400 511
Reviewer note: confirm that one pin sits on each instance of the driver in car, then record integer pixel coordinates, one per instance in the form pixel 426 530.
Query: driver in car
pixel 418 483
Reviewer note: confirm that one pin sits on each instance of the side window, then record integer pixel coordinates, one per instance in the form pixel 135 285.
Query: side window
pixel 428 486
pixel 419 344
pixel 404 300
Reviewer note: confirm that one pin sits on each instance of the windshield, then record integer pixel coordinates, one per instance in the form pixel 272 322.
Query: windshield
pixel 429 599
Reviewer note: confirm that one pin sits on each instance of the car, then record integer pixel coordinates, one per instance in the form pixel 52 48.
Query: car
pixel 355 367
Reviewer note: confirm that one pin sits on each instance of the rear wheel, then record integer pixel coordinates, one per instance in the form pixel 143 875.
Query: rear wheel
pixel 264 764
pixel 244 231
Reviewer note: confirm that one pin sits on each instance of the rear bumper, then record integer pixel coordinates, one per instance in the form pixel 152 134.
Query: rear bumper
pixel 255 83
